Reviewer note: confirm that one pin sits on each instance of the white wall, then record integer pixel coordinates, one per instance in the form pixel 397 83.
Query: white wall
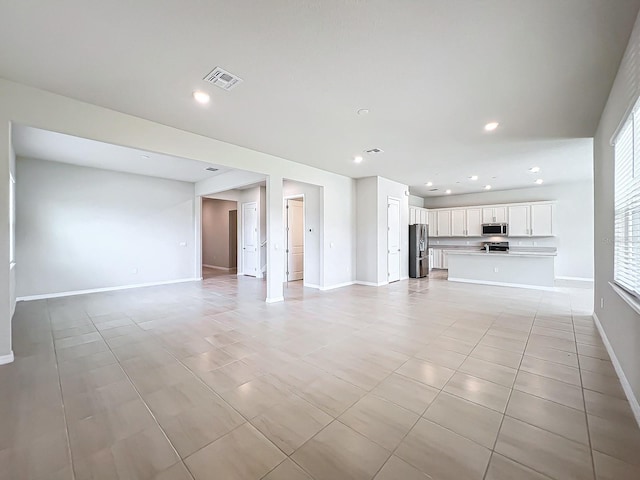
pixel 215 232
pixel 573 221
pixel 372 197
pixel 621 324
pixel 416 201
pixel 367 228
pixel 81 228
pixel 313 228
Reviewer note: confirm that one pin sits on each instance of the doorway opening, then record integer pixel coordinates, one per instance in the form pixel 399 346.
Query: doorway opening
pixel 294 238
pixel 219 236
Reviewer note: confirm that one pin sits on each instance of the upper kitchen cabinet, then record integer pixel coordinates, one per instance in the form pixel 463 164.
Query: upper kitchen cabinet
pixel 542 220
pixel 443 223
pixel 519 221
pixel 418 215
pixel 474 222
pixel 424 216
pixel 494 215
pixel 433 223
pixel 458 223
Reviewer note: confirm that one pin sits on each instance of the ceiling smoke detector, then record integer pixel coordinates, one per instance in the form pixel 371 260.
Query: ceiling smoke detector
pixel 212 169
pixel 223 79
pixel 374 151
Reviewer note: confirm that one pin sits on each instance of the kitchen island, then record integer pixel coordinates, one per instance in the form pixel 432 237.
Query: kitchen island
pixel 511 269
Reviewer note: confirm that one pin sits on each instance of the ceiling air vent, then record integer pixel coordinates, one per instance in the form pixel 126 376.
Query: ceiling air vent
pixel 223 79
pixel 373 151
pixel 212 169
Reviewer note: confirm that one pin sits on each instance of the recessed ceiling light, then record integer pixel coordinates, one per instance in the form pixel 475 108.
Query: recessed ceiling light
pixel 447 192
pixel 491 126
pixel 473 177
pixel 357 159
pixel 201 97
pixel 487 187
pixel 429 184
pixel 363 111
pixel 539 181
pixel 534 169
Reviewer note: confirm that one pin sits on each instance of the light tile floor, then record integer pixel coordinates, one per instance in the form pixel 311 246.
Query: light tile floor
pixel 421 379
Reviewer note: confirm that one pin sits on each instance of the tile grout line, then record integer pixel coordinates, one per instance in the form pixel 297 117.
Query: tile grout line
pixel 495 443
pixel 64 410
pixel 584 400
pixel 181 460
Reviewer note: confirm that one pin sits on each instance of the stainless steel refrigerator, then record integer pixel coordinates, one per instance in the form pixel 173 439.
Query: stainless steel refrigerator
pixel 418 250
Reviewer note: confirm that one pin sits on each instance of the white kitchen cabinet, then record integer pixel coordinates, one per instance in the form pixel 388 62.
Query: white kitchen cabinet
pixel 424 216
pixel 500 214
pixel 458 223
pixel 444 223
pixel 433 224
pixel 541 220
pixel 474 222
pixel 412 215
pixel 494 215
pixel 445 260
pixel 519 221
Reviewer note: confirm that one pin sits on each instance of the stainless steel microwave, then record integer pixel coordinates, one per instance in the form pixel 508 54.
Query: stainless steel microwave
pixel 495 229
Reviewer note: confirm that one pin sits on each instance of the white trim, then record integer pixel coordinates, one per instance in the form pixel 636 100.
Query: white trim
pixel 501 284
pixel 311 285
pixel 275 300
pixel 626 386
pixel 404 278
pixel 371 284
pixel 632 301
pixel 337 285
pixel 217 268
pixel 576 279
pixel 8 358
pixel 106 289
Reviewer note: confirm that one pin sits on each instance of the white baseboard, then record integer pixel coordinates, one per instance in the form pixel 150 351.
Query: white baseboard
pixel 8 358
pixel 501 284
pixel 106 289
pixel 626 386
pixel 274 299
pixel 337 285
pixel 371 284
pixel 576 279
pixel 218 268
pixel 311 285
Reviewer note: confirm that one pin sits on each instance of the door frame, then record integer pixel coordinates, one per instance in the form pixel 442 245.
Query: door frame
pixel 396 199
pixel 286 237
pixel 242 204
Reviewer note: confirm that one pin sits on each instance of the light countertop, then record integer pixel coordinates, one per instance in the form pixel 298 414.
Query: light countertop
pixel 501 254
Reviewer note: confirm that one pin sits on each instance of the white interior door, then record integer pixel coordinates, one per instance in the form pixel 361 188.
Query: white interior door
pixel 393 239
pixel 250 239
pixel 295 239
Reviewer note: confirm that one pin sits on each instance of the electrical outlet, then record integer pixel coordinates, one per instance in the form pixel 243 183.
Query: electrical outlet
pixel 134 270
pixel 495 269
pixel 601 302
pixel 467 242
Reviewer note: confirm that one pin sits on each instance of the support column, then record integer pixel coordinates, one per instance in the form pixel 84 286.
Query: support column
pixel 275 240
pixel 7 275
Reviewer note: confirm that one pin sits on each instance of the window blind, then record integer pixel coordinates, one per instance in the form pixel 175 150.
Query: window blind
pixel 627 204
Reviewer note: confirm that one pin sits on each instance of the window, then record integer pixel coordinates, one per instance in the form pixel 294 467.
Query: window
pixel 627 204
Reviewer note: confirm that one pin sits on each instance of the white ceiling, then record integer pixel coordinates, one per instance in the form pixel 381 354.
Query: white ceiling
pixel 431 72
pixel 58 147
